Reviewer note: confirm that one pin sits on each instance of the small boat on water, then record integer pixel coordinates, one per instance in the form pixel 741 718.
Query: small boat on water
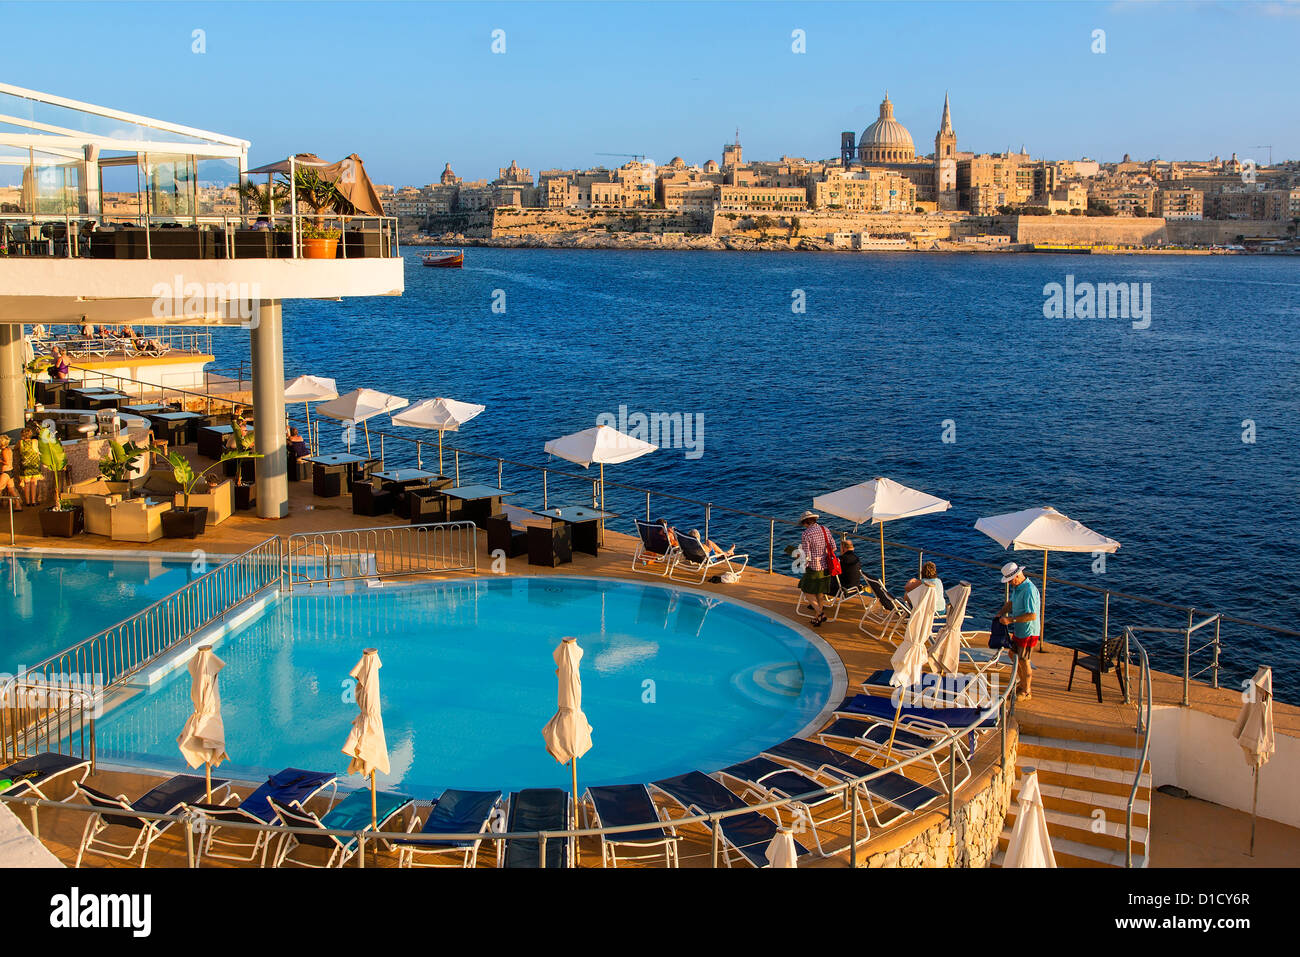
pixel 444 258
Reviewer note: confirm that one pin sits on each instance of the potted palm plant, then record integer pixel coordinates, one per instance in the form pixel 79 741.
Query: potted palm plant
pixel 32 372
pixel 65 517
pixel 116 466
pixel 187 522
pixel 323 197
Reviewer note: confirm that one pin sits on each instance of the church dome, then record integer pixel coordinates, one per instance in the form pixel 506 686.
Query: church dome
pixel 886 140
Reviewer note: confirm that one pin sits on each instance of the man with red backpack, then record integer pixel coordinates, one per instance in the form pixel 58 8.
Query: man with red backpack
pixel 821 565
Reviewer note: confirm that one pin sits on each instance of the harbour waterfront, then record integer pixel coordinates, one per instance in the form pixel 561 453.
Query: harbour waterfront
pixel 1177 439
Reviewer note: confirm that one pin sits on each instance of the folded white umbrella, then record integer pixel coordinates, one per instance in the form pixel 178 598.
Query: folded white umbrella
pixel 360 405
pixel 1047 529
pixel 599 445
pixel 203 738
pixel 445 415
pixel 1030 845
pixel 947 645
pixel 879 500
pixel 781 851
pixel 366 745
pixel 911 657
pixel 568 733
pixel 1254 732
pixel 309 389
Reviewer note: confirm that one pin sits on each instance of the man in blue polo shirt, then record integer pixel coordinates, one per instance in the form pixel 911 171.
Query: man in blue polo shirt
pixel 1023 614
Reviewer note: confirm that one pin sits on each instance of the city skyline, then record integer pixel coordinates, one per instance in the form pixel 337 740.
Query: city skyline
pixel 570 86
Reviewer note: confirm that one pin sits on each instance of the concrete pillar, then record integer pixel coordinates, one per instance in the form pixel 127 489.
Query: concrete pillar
pixel 13 388
pixel 267 347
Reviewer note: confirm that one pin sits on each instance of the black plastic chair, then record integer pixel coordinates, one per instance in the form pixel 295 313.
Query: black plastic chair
pixel 1105 660
pixel 550 545
pixel 367 501
pixel 504 536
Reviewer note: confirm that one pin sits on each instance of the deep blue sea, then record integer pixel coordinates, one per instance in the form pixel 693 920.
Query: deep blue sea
pixel 1138 433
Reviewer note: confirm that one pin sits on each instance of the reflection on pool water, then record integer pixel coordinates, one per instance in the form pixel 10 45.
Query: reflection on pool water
pixel 50 603
pixel 672 680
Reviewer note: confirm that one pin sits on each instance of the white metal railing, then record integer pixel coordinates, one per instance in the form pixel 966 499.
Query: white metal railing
pixel 1143 727
pixel 313 558
pixel 195 825
pixel 35 713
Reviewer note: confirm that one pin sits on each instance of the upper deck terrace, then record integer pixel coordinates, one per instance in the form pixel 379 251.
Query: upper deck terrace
pixel 108 217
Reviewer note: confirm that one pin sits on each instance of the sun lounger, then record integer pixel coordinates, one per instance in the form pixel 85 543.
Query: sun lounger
pixel 742 836
pixel 291 787
pixel 832 602
pixel 654 554
pixel 890 788
pixel 872 736
pixel 350 814
pixel 766 781
pixel 932 721
pixel 169 797
pixel 621 805
pixel 456 812
pixel 959 689
pixel 33 776
pixel 539 809
pixel 695 561
pixel 887 611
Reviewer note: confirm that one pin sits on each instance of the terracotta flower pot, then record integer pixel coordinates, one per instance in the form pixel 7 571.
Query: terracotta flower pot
pixel 319 248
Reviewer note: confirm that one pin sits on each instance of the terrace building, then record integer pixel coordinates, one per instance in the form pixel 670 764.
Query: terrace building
pixel 169 235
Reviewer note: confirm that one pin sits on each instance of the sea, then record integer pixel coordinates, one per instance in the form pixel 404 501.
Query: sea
pixel 1173 429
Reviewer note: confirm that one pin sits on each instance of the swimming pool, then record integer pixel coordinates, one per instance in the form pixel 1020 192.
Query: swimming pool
pixel 673 680
pixel 50 602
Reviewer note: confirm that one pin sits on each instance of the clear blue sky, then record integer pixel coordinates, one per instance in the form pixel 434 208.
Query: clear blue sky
pixel 410 86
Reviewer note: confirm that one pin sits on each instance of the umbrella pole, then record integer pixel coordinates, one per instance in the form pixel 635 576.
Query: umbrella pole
pixel 601 525
pixel 882 553
pixel 207 773
pixel 366 426
pixel 573 765
pixel 374 811
pixel 440 451
pixel 1042 609
pixel 1254 813
pixel 898 713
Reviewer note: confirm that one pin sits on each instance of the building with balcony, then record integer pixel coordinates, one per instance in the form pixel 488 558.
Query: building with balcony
pixel 170 249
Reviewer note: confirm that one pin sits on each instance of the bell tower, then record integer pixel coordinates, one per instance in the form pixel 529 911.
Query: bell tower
pixel 945 161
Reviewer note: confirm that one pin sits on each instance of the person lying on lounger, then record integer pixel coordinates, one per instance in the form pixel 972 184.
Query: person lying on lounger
pixel 710 546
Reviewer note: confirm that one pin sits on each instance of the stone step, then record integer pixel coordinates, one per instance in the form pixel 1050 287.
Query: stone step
pixel 1079 753
pixel 1083 801
pixel 1071 854
pixel 1078 828
pixel 1044 727
pixel 1102 780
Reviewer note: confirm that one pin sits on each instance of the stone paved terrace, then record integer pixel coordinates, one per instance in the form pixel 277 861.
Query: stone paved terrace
pixel 1179 826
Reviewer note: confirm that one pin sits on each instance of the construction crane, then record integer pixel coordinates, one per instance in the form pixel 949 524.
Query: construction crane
pixel 1270 152
pixel 636 156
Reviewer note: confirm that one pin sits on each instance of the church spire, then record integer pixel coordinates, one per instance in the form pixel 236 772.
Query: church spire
pixel 945 125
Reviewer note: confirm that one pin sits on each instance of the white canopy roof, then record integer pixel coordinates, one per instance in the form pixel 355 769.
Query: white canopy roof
pixel 880 500
pixel 601 444
pixel 361 404
pixel 310 388
pixel 1044 528
pixel 445 415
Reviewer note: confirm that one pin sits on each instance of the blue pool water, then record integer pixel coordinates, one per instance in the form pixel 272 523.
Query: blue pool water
pixel 50 603
pixel 672 680
pixel 1136 433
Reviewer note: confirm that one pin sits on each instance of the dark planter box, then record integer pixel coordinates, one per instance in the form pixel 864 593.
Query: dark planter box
pixel 245 497
pixel 63 523
pixel 184 522
pixel 550 546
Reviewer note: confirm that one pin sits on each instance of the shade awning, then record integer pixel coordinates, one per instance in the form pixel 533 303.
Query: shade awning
pixel 602 444
pixel 879 500
pixel 348 174
pixel 1044 528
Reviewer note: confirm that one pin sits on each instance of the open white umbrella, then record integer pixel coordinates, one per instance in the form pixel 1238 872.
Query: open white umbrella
pixel 1254 732
pixel 309 389
pixel 445 415
pixel 360 405
pixel 880 500
pixel 599 445
pixel 1047 529
pixel 366 745
pixel 913 654
pixel 568 733
pixel 1030 845
pixel 203 739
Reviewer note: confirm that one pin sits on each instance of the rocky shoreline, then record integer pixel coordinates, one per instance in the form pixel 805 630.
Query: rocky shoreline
pixel 674 241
